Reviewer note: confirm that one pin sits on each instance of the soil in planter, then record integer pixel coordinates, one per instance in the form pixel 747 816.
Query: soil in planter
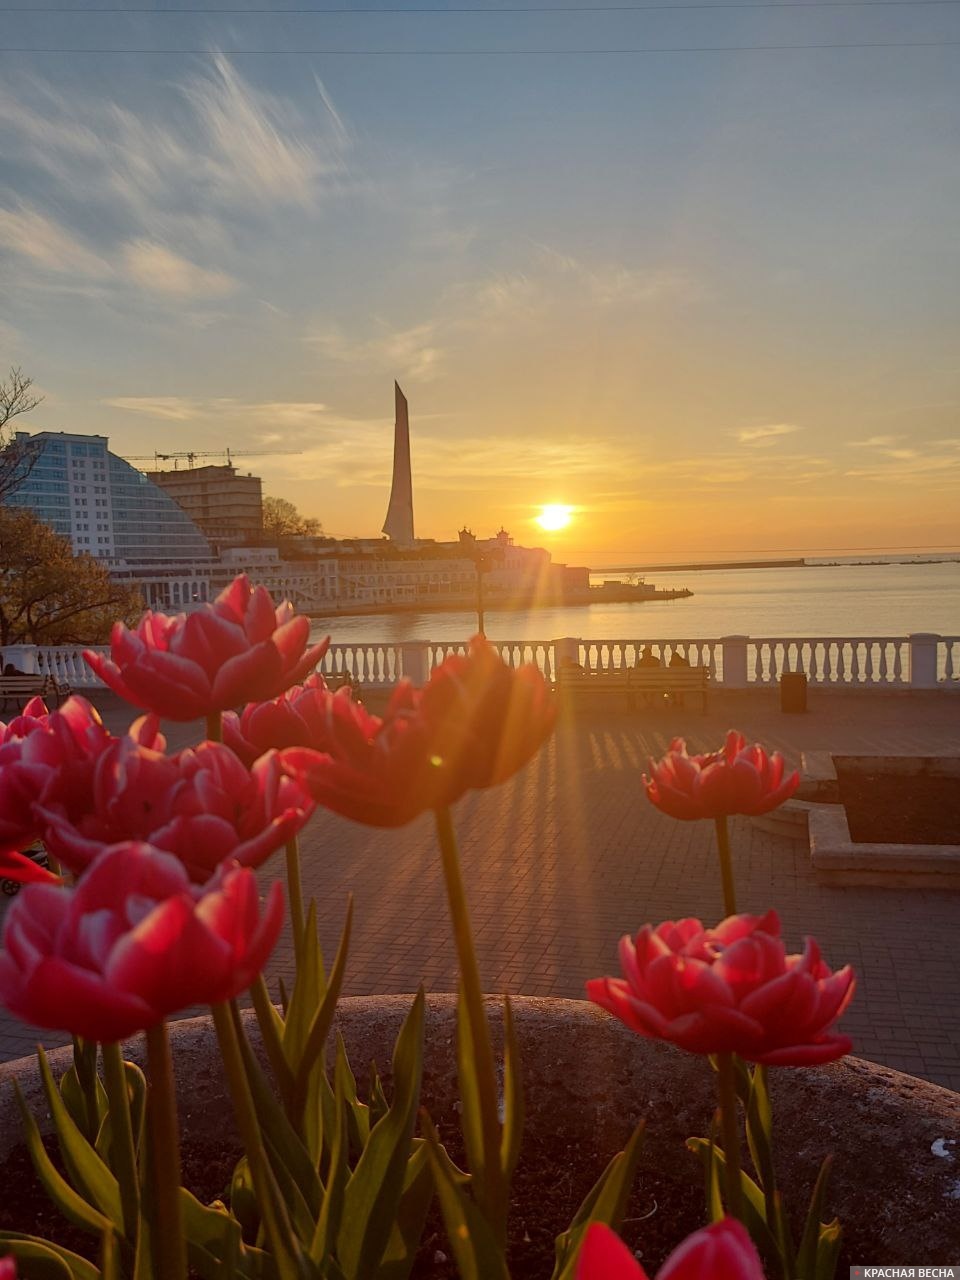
pixel 892 809
pixel 549 1186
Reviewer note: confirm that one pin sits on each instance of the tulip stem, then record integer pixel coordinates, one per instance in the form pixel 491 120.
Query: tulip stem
pixel 214 727
pixel 726 866
pixel 726 1078
pixel 122 1145
pixel 275 1222
pixel 295 890
pixel 494 1192
pixel 169 1247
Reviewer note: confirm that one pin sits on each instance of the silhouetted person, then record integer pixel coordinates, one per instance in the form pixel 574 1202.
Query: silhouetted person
pixel 648 659
pixel 678 660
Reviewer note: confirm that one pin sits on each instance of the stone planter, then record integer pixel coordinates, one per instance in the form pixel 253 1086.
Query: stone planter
pixel 896 1139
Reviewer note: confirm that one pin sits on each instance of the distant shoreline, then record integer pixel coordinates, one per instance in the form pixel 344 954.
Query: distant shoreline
pixel 813 562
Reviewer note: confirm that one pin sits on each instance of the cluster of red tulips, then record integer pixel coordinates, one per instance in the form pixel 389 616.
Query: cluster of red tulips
pixel 153 904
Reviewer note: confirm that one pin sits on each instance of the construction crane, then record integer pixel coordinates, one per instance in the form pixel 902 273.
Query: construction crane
pixel 228 453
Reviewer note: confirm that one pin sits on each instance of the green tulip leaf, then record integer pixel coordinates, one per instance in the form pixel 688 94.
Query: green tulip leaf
pixel 91 1086
pixel 753 1203
pixel 513 1111
pixel 378 1100
pixel 302 1216
pixel 473 1243
pixel 75 1100
pixel 42 1260
pixel 283 1139
pixel 243 1201
pixel 215 1245
pixel 109 1257
pixel 376 1185
pixel 809 1241
pixel 410 1218
pixel 606 1202
pixel 67 1200
pixel 309 988
pixel 471 1115
pixel 319 1025
pixel 828 1251
pixel 86 1170
pixel 358 1113
pixel 271 1033
pixel 331 1211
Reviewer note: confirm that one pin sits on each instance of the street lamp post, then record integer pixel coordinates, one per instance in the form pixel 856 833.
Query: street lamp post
pixel 482 565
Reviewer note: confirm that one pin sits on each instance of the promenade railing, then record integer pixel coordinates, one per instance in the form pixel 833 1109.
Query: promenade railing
pixel 919 661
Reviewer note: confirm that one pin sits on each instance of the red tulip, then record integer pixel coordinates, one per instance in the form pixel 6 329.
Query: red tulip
pixel 132 943
pixel 239 648
pixel 473 725
pixel 298 718
pixel 50 756
pixel 722 1251
pixel 203 805
pixel 24 770
pixel 732 988
pixel 14 866
pixel 737 779
pixel 8 1268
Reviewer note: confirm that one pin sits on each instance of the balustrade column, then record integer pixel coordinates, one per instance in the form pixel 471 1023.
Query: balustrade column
pixel 734 661
pixel 415 661
pixel 923 661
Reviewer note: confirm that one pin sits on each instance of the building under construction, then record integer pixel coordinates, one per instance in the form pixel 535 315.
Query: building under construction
pixel 228 507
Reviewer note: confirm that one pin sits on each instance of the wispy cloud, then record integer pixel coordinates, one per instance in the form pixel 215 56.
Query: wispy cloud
pixel 275 418
pixel 873 442
pixel 256 145
pixel 765 435
pixel 47 245
pixel 155 267
pixel 143 197
pixel 412 352
pixel 50 248
pixel 556 284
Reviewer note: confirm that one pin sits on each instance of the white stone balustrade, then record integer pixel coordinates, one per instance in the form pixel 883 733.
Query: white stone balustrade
pixel 920 661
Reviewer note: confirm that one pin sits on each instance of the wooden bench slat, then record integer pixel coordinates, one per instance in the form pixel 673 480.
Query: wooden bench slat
pixel 23 686
pixel 631 680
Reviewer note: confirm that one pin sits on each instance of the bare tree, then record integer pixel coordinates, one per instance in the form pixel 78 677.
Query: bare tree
pixel 16 456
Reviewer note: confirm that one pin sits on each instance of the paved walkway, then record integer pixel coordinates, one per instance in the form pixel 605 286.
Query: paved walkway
pixel 569 855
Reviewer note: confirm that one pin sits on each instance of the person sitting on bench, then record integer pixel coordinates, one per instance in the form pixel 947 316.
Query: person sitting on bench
pixel 648 659
pixel 677 659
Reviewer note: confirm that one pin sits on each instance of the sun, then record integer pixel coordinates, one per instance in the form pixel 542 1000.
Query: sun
pixel 554 516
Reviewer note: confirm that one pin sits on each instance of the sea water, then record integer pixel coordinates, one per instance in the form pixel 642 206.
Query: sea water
pixel 879 599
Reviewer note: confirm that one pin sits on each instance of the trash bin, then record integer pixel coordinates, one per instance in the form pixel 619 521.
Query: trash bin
pixel 793 691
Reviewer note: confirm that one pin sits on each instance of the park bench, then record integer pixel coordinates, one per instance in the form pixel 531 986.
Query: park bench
pixel 19 689
pixel 672 681
pixel 630 684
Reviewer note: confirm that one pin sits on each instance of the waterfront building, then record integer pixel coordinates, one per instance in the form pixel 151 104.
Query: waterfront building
pixel 106 507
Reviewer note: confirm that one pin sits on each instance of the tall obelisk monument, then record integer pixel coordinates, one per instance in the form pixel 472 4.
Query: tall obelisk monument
pixel 398 525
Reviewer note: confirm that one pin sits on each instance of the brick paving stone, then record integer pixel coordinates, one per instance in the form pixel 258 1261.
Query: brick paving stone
pixel 562 860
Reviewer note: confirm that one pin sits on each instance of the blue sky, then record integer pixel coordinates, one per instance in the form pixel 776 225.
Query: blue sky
pixel 709 300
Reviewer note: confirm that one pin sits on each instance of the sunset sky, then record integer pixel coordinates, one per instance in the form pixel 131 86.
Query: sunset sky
pixel 708 300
